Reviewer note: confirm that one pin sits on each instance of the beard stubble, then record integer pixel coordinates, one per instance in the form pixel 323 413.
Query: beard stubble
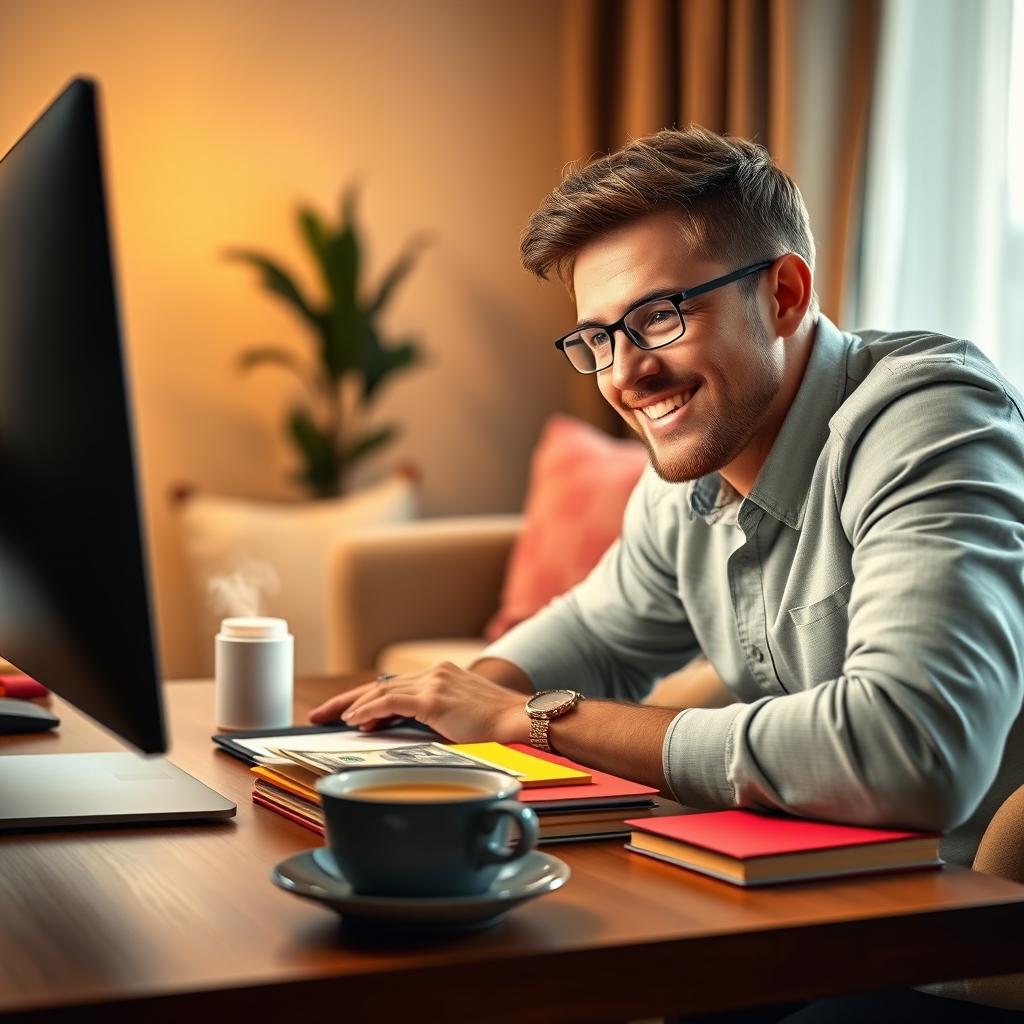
pixel 729 429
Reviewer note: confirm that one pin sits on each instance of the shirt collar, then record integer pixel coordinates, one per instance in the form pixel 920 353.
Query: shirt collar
pixel 782 486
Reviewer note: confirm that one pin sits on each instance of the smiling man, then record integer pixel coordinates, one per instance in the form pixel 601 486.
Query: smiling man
pixel 834 521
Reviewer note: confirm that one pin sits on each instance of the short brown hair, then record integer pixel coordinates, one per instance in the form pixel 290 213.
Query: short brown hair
pixel 735 204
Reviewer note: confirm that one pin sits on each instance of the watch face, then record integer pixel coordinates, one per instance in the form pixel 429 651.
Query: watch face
pixel 550 699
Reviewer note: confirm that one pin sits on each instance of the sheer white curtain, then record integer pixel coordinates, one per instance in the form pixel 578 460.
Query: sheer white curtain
pixel 943 230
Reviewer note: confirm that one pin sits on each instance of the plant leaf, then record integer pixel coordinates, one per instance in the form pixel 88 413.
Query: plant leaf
pixel 349 200
pixel 276 280
pixel 379 363
pixel 341 267
pixel 321 467
pixel 315 233
pixel 269 355
pixel 399 269
pixel 367 443
pixel 342 253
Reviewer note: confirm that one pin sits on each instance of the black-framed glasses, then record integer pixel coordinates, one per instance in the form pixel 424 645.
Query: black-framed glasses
pixel 649 324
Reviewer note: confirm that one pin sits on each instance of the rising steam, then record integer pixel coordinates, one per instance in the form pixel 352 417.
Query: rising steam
pixel 243 591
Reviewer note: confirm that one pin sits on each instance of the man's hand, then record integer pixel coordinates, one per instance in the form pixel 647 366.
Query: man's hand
pixel 462 706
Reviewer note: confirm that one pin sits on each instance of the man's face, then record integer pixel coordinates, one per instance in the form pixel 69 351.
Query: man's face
pixel 698 402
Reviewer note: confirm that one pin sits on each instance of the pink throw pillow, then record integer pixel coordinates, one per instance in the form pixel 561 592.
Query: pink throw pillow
pixel 580 480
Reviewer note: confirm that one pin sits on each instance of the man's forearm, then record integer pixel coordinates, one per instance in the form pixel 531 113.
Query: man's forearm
pixel 623 739
pixel 697 685
pixel 504 673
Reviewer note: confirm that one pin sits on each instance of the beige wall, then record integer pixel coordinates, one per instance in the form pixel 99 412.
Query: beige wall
pixel 219 117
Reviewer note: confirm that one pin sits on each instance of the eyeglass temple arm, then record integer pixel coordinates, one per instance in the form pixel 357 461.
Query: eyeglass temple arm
pixel 721 282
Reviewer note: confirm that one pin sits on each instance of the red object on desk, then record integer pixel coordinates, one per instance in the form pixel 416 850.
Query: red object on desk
pixel 21 686
pixel 602 787
pixel 749 848
pixel 313 826
pixel 743 834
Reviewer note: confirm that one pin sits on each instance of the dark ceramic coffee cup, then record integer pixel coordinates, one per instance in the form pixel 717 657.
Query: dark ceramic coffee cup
pixel 424 832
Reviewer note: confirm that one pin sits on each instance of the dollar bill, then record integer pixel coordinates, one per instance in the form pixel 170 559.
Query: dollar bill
pixel 430 755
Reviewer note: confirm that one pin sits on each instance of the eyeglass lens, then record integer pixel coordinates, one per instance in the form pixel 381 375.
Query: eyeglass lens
pixel 650 326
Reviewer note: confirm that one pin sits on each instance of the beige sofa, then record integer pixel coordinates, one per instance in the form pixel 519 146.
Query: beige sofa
pixel 407 596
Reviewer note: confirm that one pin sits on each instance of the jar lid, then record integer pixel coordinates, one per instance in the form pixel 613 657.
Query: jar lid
pixel 254 628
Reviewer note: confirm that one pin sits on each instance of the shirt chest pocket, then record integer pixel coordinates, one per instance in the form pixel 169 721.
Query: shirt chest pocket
pixel 816 638
pixel 808 614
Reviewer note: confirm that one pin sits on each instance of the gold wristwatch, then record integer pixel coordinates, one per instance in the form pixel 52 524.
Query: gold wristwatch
pixel 544 706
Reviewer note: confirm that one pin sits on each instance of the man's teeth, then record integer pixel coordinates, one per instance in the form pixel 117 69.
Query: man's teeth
pixel 659 409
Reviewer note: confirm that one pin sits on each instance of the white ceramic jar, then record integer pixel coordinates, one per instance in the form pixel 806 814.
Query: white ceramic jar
pixel 254 659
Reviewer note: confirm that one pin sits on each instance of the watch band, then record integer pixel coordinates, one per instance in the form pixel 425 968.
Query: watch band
pixel 539 733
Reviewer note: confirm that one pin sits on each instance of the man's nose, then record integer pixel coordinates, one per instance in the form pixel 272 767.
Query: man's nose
pixel 631 364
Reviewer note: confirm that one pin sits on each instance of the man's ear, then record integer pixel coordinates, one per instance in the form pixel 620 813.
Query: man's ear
pixel 792 289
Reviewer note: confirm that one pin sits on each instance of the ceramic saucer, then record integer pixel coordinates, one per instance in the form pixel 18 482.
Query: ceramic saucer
pixel 314 875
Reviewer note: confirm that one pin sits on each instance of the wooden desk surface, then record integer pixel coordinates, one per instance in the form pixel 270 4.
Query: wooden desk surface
pixel 173 922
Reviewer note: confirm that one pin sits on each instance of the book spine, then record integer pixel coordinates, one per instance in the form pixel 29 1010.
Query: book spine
pixel 311 825
pixel 821 876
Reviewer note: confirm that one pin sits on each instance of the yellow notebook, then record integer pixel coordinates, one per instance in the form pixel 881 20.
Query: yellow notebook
pixel 530 770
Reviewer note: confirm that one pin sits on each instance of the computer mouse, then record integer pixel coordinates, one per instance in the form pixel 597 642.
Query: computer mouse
pixel 24 716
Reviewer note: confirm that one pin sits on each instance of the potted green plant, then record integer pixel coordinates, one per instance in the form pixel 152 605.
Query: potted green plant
pixel 329 428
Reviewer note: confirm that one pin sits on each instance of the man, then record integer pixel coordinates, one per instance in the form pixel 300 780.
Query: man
pixel 835 521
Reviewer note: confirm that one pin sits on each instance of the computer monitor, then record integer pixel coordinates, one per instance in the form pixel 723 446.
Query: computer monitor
pixel 74 598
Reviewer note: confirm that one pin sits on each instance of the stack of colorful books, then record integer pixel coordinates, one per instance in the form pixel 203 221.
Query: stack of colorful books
pixel 572 803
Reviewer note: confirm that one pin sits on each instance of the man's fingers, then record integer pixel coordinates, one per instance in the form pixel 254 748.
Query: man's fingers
pixel 386 704
pixel 391 685
pixel 330 710
pixel 363 708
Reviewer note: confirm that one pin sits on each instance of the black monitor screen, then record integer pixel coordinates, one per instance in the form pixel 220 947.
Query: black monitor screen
pixel 74 598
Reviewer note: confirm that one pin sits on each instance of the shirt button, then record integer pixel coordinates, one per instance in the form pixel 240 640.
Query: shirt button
pixel 757 654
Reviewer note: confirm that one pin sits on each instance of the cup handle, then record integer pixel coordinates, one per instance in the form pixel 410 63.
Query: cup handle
pixel 488 849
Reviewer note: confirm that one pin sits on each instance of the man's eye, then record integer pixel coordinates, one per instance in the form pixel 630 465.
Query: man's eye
pixel 659 316
pixel 599 338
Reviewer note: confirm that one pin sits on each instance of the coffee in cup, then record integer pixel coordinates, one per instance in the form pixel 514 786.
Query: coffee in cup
pixel 417 792
pixel 419 831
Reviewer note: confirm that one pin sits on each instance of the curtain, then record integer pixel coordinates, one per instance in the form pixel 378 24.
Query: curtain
pixel 795 75
pixel 944 210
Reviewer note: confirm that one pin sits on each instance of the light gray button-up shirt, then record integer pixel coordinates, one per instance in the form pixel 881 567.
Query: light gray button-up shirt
pixel 865 602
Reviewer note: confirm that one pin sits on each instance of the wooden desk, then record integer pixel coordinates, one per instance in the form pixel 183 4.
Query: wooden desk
pixel 166 924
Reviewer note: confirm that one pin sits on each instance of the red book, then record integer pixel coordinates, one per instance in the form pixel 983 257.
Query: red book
pixel 14 684
pixel 603 790
pixel 748 848
pixel 313 826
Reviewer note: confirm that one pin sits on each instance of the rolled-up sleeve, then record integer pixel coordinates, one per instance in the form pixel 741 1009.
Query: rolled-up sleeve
pixel 912 732
pixel 624 626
